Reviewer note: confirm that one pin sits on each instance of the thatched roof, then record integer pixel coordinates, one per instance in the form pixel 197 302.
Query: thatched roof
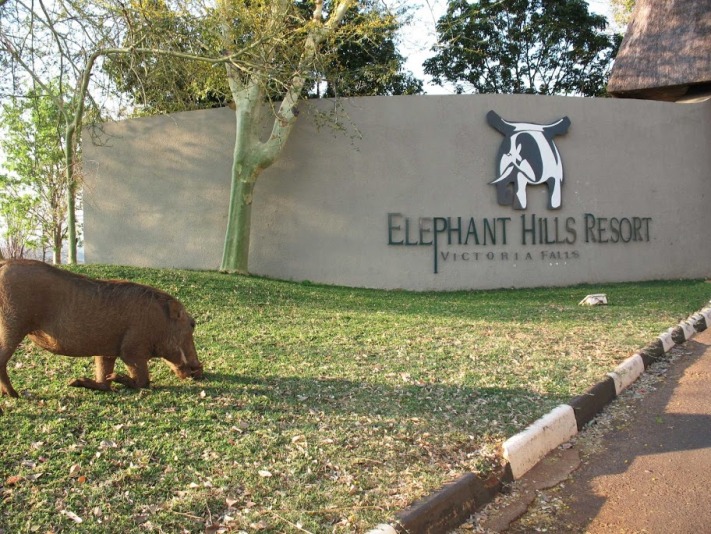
pixel 666 52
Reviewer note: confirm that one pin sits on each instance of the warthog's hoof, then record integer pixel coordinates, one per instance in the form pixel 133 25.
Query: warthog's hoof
pixel 127 381
pixel 90 384
pixel 11 392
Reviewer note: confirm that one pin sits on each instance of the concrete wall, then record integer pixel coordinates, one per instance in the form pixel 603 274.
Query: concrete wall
pixel 342 209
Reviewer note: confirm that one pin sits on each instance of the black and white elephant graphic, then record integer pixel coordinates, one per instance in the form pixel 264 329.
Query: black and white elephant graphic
pixel 527 156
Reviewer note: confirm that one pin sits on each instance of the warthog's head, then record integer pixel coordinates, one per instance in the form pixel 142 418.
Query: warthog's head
pixel 180 351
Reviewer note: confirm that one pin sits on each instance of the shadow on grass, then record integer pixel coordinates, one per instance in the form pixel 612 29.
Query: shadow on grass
pixel 462 408
pixel 291 398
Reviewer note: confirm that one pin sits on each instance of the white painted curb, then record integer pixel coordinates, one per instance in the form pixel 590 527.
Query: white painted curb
pixel 382 529
pixel 706 312
pixel 688 328
pixel 667 341
pixel 527 448
pixel 627 372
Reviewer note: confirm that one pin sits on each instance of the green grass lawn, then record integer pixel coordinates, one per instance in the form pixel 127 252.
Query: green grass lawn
pixel 324 409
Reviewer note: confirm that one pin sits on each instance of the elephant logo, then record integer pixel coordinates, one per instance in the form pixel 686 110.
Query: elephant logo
pixel 527 156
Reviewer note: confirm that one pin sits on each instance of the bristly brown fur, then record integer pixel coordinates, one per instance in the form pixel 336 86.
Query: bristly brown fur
pixel 73 315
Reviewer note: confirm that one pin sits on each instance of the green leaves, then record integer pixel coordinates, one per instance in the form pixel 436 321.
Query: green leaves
pixel 32 196
pixel 522 46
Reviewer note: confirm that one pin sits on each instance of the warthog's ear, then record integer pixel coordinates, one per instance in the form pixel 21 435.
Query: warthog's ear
pixel 175 310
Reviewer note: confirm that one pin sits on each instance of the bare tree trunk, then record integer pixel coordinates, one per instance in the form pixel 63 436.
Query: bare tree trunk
pixel 235 256
pixel 245 170
pixel 57 247
pixel 251 155
pixel 70 143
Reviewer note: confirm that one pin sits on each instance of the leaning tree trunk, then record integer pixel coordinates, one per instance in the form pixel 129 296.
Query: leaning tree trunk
pixel 245 170
pixel 251 155
pixel 69 145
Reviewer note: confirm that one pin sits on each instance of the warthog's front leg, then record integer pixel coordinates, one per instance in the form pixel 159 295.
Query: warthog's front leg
pixel 138 375
pixel 103 367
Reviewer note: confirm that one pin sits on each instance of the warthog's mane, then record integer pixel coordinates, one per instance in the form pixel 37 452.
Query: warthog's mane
pixel 117 289
pixel 110 290
pixel 131 290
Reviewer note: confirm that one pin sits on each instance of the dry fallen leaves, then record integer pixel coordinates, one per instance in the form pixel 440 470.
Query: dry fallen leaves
pixel 74 470
pixel 71 515
pixel 13 480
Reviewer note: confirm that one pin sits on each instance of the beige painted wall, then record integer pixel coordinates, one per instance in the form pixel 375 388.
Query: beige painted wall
pixel 157 194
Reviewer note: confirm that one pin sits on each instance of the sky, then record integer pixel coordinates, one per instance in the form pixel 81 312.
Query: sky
pixel 419 37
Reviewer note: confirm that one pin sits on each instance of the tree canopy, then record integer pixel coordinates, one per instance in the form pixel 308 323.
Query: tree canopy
pixel 370 65
pixel 33 193
pixel 165 83
pixel 522 46
pixel 359 58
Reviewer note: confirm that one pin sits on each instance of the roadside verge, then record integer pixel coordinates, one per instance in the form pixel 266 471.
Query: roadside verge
pixel 455 502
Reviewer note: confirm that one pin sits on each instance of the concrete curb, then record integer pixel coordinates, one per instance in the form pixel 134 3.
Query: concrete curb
pixel 527 448
pixel 455 502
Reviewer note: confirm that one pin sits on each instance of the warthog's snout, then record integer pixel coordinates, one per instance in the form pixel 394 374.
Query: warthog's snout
pixel 186 367
pixel 192 371
pixel 187 371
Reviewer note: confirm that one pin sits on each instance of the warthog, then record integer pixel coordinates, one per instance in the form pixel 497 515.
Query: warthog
pixel 73 315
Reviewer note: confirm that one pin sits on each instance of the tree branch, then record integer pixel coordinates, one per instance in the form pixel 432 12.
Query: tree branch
pixel 286 116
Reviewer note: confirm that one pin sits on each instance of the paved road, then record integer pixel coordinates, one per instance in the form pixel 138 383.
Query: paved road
pixel 654 474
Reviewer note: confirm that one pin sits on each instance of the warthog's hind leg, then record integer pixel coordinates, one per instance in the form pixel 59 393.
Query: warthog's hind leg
pixel 6 352
pixel 138 375
pixel 103 367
